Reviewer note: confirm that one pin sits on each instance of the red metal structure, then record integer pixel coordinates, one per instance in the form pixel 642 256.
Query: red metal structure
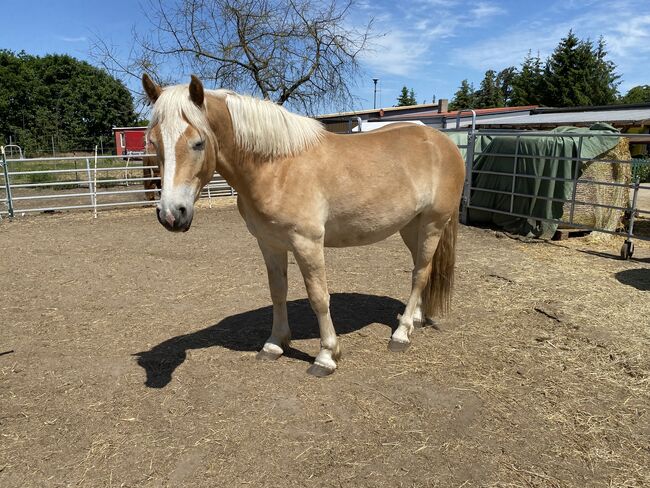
pixel 132 141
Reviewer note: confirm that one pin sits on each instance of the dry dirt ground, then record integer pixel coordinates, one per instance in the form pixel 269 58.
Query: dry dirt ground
pixel 127 358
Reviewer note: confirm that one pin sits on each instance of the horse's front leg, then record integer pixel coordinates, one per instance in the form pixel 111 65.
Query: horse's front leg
pixel 276 266
pixel 310 257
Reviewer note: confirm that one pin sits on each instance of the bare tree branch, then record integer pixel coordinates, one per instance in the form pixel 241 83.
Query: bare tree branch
pixel 304 53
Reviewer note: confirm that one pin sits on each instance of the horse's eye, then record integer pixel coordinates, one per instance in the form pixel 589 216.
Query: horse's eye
pixel 198 146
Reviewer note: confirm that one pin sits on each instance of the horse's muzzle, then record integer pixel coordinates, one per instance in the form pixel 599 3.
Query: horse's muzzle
pixel 175 219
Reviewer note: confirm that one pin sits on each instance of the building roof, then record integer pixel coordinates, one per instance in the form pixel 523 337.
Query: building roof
pixel 464 113
pixel 535 117
pixel 618 115
pixel 129 128
pixel 379 112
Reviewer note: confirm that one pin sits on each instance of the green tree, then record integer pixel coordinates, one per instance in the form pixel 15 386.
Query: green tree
pixel 489 95
pixel 505 81
pixel 406 98
pixel 465 97
pixel 61 98
pixel 578 74
pixel 637 94
pixel 527 85
pixel 604 86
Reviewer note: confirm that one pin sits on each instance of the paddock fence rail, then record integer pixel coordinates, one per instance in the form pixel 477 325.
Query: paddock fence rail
pixel 99 182
pixel 89 182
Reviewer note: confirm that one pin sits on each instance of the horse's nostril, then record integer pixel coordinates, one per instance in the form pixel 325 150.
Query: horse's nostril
pixel 182 210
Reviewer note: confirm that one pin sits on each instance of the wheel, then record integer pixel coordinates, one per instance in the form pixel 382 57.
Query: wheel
pixel 627 250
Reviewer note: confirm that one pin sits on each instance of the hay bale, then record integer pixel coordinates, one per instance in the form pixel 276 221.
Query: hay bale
pixel 592 193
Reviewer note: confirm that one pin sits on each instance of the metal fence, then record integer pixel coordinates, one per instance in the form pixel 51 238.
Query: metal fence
pixel 630 209
pixel 95 182
pixel 84 182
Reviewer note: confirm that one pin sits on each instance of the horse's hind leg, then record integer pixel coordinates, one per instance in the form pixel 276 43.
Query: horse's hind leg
pixel 428 236
pixel 409 235
pixel 276 266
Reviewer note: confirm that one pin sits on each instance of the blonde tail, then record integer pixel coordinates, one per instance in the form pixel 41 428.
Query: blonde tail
pixel 436 296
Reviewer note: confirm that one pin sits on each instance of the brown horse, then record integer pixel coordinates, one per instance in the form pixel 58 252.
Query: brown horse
pixel 301 188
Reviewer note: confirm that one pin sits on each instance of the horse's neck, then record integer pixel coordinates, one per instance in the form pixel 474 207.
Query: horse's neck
pixel 228 160
pixel 241 169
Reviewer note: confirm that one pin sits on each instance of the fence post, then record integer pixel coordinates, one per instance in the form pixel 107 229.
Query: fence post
pixel 5 170
pixel 630 229
pixel 95 187
pixel 469 166
pixel 90 182
pixel 578 165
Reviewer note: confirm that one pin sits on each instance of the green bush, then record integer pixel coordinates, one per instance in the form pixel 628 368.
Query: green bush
pixel 641 168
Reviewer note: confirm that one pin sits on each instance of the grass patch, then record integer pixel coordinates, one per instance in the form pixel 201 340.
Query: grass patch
pixel 641 168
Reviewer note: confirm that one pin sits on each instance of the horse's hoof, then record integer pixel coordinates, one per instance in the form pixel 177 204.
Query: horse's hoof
pixel 398 346
pixel 428 322
pixel 264 355
pixel 319 371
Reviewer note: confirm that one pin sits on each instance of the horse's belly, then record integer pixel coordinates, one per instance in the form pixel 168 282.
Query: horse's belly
pixel 360 232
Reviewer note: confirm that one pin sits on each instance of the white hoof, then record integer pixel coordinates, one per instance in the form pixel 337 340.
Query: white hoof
pixel 271 348
pixel 400 341
pixel 270 351
pixel 401 334
pixel 323 365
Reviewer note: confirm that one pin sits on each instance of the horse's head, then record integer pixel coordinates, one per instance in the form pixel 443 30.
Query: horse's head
pixel 185 146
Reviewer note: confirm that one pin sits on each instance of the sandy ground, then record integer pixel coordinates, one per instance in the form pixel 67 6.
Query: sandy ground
pixel 643 200
pixel 127 358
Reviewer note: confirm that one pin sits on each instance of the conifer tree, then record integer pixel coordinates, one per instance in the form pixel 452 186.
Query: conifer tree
pixel 464 98
pixel 577 74
pixel 406 98
pixel 489 95
pixel 527 86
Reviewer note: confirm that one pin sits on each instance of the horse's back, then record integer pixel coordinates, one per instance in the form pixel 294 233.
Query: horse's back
pixel 377 182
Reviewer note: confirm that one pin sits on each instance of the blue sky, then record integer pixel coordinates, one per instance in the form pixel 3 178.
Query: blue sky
pixel 428 45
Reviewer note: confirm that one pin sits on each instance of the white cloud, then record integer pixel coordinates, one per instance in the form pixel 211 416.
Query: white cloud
pixel 397 53
pixel 627 38
pixel 484 10
pixel 413 39
pixel 73 39
pixel 505 50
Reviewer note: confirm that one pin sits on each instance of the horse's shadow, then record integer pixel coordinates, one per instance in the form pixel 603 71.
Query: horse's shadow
pixel 247 331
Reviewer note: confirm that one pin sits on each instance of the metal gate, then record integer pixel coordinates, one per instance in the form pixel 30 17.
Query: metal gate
pixel 630 209
pixel 90 182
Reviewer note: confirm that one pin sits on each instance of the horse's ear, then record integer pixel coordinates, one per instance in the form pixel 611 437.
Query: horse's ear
pixel 152 90
pixel 196 91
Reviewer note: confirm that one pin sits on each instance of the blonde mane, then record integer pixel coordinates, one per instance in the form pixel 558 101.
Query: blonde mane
pixel 267 129
pixel 260 126
pixel 174 102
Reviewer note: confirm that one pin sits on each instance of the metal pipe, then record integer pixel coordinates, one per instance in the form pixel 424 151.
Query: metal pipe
pixel 473 117
pixel 71 158
pixel 469 166
pixel 514 175
pixel 558 221
pixel 374 103
pixel 635 194
pixel 10 204
pixel 575 182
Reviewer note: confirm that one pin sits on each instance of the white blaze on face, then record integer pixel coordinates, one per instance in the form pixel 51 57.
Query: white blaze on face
pixel 172 195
